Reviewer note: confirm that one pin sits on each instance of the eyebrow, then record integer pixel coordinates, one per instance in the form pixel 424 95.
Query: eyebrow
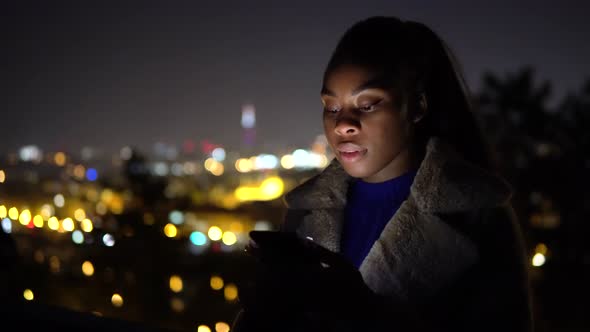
pixel 379 82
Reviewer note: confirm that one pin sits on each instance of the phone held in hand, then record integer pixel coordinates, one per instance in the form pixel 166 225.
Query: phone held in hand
pixel 284 247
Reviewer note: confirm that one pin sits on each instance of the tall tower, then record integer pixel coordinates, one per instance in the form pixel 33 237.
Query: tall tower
pixel 248 126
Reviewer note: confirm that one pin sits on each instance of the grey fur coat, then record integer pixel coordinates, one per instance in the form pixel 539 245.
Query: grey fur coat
pixel 453 252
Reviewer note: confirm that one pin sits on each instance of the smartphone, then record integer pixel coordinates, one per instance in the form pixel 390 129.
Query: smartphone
pixel 285 247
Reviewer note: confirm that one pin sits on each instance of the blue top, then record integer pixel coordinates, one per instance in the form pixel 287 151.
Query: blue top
pixel 368 209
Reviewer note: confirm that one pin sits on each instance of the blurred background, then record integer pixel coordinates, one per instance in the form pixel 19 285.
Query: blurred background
pixel 142 141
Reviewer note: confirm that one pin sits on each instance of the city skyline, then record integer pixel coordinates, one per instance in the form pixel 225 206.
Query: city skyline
pixel 113 76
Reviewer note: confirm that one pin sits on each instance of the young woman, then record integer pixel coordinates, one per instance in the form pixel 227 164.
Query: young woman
pixel 414 227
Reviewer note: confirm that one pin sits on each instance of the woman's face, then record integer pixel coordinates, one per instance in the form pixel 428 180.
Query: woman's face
pixel 367 132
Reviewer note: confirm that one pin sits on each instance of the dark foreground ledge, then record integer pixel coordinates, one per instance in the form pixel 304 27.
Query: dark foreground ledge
pixel 31 316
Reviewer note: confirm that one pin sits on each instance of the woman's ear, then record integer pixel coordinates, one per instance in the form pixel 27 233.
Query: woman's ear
pixel 421 108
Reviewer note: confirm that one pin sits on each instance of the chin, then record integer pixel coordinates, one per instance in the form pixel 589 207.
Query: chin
pixel 356 171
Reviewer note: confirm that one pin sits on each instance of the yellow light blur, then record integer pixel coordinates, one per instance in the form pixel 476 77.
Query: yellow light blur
pixel 541 248
pixel 272 187
pixel 116 205
pixel 244 165
pixel 170 230
pixel 25 217
pixel 79 171
pixel 287 161
pixel 87 268
pixel 28 295
pixel 269 189
pixel 176 284
pixel 86 225
pixel 38 221
pixel 106 196
pixel 79 214
pixel 229 238
pixel 2 176
pixel 117 300
pixel 236 227
pixel 3 212
pixel 218 169
pixel 230 292
pixel 53 223
pixel 203 328
pixel 221 327
pixel 538 259
pixel 46 211
pixel 13 213
pixel 60 159
pixel 215 233
pixel 67 224
pixel 216 282
pixel 209 163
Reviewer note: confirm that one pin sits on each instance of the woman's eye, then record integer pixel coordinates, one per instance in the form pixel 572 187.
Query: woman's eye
pixel 331 109
pixel 368 108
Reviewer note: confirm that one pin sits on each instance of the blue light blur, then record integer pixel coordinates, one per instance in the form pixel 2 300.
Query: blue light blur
pixel 7 225
pixel 78 237
pixel 198 238
pixel 176 217
pixel 91 174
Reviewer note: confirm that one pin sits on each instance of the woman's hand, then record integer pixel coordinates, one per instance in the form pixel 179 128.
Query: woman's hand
pixel 328 284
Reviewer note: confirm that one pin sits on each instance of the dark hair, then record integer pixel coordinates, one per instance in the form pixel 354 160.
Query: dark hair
pixel 419 63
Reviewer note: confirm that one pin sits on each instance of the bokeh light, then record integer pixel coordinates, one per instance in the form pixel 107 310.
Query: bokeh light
pixel 91 174
pixel 538 260
pixel 176 284
pixel 13 213
pixel 3 212
pixel 87 268
pixel 60 159
pixel 287 162
pixel 7 225
pixel 59 200
pixel 77 237
pixel 28 295
pixel 170 230
pixel 68 224
pixel 79 172
pixel 218 154
pixel 176 217
pixel 79 214
pixel 25 217
pixel 203 328
pixel 38 221
pixel 2 176
pixel 216 282
pixel 108 240
pixel 215 233
pixel 86 225
pixel 222 327
pixel 229 238
pixel 47 211
pixel 53 223
pixel 230 292
pixel 198 238
pixel 117 300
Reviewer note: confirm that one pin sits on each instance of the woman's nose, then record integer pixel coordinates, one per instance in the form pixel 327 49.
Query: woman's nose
pixel 347 126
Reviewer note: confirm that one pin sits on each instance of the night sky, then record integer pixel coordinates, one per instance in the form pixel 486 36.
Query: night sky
pixel 109 75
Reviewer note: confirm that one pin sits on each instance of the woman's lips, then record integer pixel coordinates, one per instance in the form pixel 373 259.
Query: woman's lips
pixel 350 152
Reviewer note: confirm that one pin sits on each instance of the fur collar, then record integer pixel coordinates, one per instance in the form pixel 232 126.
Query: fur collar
pixel 445 183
